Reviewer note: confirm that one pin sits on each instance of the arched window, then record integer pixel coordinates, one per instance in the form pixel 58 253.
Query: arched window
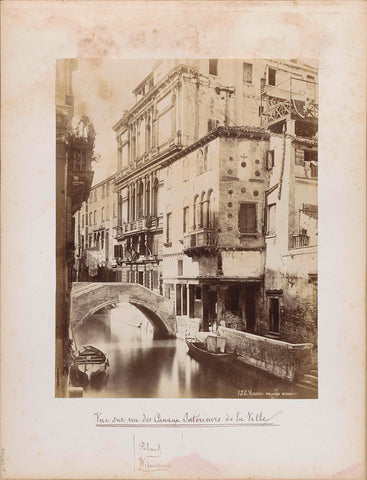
pixel 199 161
pixel 147 198
pixel 202 206
pixel 148 131
pixel 155 198
pixel 140 193
pixel 185 216
pixel 205 159
pixel 132 216
pixel 196 212
pixel 210 212
pixel 133 147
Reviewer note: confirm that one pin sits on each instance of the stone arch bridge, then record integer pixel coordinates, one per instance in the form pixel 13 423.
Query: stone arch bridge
pixel 88 298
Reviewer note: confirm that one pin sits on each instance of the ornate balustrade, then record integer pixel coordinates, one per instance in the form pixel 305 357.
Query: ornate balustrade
pixel 135 226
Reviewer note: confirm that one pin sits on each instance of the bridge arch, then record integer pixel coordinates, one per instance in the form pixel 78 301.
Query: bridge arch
pixel 88 298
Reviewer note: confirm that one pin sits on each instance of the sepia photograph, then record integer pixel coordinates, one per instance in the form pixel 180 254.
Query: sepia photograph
pixel 186 228
pixel 183 290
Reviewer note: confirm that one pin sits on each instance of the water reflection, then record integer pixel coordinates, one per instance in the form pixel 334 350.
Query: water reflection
pixel 142 365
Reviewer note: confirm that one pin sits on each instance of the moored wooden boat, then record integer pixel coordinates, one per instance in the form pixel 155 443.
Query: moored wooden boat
pixel 88 365
pixel 206 350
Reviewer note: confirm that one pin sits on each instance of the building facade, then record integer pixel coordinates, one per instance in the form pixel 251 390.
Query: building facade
pixel 95 225
pixel 74 175
pixel 217 194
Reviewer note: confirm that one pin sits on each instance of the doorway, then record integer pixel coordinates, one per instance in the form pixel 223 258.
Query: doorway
pixel 274 314
pixel 250 314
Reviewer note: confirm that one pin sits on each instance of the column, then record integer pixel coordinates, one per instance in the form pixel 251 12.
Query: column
pixel 184 300
pixel 178 300
pixel 221 304
pixel 191 294
pixel 205 307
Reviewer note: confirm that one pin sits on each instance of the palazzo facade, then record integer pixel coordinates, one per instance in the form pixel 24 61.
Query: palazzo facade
pixel 216 190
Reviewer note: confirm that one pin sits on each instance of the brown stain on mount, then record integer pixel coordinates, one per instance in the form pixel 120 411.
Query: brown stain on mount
pixel 97 43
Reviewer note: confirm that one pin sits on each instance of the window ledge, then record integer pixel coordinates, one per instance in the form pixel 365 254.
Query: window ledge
pixel 270 235
pixel 167 244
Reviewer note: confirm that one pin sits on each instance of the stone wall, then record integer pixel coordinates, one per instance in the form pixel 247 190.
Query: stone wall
pixel 285 360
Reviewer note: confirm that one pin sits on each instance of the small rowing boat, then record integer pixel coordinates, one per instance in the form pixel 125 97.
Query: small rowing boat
pixel 88 365
pixel 213 349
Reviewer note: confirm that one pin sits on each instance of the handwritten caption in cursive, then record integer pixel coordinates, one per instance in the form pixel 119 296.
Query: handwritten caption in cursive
pixel 236 419
pixel 148 457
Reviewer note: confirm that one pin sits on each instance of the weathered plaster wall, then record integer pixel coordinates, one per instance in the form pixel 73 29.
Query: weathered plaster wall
pixel 282 359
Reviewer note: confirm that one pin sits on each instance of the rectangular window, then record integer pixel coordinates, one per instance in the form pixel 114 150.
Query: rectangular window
pixel 310 155
pixel 213 66
pixel 155 246
pixel 82 221
pixel 247 218
pixel 107 189
pixel 102 214
pixel 103 191
pixel 185 224
pixel 271 76
pixel 247 72
pixel 155 279
pixel 114 209
pixel 271 219
pixel 300 157
pixel 179 268
pixel 95 216
pixel 168 227
pixel 90 218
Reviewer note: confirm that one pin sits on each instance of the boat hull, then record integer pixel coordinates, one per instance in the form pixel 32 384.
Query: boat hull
pixel 198 351
pixel 89 367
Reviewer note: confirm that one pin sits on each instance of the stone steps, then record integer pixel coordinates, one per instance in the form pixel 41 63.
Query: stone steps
pixel 309 381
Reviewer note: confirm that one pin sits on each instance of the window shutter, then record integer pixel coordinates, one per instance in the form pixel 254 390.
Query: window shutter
pixel 247 218
pixel 270 159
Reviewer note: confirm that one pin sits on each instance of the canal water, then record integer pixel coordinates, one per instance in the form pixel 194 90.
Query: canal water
pixel 143 366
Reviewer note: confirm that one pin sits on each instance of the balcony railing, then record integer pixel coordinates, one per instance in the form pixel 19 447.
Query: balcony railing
pixel 301 240
pixel 293 98
pixel 140 225
pixel 199 239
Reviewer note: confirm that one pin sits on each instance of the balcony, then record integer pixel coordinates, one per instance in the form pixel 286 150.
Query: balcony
pixel 300 241
pixel 200 242
pixel 137 226
pixel 295 99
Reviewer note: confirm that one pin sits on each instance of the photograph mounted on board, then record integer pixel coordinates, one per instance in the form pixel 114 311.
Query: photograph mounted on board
pixel 186 228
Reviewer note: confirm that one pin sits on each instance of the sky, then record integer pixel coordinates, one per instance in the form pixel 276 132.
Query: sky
pixel 102 90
